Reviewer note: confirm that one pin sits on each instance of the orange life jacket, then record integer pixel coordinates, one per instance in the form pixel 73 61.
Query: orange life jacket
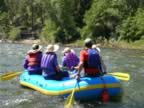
pixel 32 59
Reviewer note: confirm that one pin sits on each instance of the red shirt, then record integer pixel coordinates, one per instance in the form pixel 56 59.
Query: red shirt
pixel 83 56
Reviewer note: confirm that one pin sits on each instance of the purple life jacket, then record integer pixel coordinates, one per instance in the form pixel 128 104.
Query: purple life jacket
pixel 49 63
pixel 71 60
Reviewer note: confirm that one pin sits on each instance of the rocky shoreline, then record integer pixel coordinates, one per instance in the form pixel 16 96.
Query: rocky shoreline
pixel 25 41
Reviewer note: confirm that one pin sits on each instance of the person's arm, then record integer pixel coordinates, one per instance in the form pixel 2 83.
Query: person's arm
pixel 63 64
pixel 58 68
pixel 25 63
pixel 81 63
pixel 56 64
pixel 77 58
pixel 79 67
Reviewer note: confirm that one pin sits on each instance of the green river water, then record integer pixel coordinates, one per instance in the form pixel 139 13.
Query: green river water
pixel 12 95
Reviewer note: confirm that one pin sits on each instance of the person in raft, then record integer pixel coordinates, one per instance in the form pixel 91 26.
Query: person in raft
pixel 90 60
pixel 33 60
pixel 49 64
pixel 70 59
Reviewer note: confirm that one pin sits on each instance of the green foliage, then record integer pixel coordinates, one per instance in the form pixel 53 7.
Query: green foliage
pixel 62 14
pixel 48 33
pixel 132 28
pixel 101 19
pixel 3 20
pixel 69 20
pixel 14 33
pixel 2 5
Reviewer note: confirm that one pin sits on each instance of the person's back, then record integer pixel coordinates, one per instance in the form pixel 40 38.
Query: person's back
pixel 89 60
pixel 70 59
pixel 96 47
pixel 49 63
pixel 93 59
pixel 33 60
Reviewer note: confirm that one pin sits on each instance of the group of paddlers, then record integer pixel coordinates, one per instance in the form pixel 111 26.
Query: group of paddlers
pixel 46 63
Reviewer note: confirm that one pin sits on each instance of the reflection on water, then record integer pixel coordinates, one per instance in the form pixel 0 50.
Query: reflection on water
pixel 12 95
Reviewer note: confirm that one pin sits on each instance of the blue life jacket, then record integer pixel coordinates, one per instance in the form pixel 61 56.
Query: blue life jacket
pixel 94 59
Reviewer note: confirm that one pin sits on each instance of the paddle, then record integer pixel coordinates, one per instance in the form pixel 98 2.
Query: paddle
pixel 9 75
pixel 70 99
pixel 120 75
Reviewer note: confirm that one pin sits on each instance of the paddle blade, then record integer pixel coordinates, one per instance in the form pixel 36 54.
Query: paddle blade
pixel 5 74
pixel 70 100
pixel 9 75
pixel 122 78
pixel 120 75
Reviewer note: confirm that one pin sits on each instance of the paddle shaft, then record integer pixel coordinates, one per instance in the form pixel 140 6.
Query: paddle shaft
pixel 9 75
pixel 70 99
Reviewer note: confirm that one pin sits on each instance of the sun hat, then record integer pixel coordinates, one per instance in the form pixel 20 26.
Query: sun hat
pixel 35 48
pixel 52 48
pixel 67 49
pixel 88 40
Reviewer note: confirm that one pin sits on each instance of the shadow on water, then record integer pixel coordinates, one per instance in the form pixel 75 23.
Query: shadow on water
pixel 117 60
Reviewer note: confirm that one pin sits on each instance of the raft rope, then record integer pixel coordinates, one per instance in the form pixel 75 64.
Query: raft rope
pixel 104 95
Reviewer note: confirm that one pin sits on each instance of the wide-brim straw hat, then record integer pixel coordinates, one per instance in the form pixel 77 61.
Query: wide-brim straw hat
pixel 52 48
pixel 67 49
pixel 35 48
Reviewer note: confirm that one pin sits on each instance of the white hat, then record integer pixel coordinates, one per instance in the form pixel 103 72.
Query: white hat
pixel 88 40
pixel 52 48
pixel 35 48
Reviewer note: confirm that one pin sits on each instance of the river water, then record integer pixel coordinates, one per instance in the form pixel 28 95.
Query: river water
pixel 12 95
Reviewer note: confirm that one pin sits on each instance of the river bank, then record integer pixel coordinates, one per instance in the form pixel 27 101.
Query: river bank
pixel 113 44
pixel 79 43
